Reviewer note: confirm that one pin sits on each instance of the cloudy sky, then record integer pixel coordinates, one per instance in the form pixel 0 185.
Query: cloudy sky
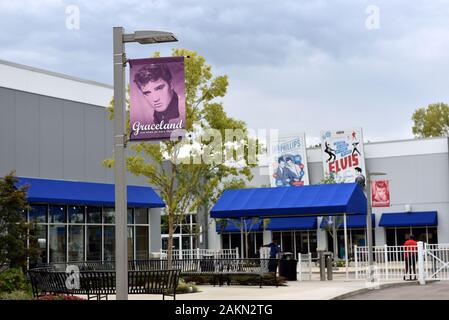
pixel 293 65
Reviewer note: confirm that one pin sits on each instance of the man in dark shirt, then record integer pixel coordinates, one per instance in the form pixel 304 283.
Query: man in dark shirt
pixel 274 250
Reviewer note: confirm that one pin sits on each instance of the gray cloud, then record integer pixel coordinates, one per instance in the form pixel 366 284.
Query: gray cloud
pixel 296 65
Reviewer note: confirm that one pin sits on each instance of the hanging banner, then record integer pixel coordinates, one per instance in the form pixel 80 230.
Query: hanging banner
pixel 288 164
pixel 380 193
pixel 157 98
pixel 343 155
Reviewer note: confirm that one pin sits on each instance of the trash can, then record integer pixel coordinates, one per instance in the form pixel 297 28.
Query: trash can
pixel 207 263
pixel 287 266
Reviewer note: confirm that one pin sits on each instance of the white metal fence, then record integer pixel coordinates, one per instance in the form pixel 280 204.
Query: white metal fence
pixel 200 253
pixel 424 262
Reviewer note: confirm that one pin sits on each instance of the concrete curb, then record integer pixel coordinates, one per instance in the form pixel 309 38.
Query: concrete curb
pixel 381 286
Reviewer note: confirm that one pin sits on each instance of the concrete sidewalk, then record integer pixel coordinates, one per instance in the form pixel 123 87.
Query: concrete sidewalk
pixel 295 290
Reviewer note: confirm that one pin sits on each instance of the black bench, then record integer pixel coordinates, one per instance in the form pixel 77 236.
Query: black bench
pixel 101 283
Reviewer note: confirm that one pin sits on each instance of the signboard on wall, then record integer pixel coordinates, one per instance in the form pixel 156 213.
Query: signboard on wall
pixel 380 193
pixel 157 98
pixel 288 163
pixel 343 155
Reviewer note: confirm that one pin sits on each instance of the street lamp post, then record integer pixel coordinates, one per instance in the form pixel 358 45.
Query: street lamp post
pixel 369 223
pixel 120 138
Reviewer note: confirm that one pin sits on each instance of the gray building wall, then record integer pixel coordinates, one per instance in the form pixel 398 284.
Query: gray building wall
pixel 52 138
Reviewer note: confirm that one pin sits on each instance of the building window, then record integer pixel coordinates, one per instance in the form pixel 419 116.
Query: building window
pixel 142 248
pixel 39 242
pixel 109 243
pixel 76 243
pixel 57 243
pixel 38 213
pixel 94 243
pixel 141 216
pixel 108 215
pixel 130 243
pixel 57 214
pixel 76 214
pixel 130 216
pixel 93 214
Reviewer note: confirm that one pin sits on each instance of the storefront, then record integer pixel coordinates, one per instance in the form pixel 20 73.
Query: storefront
pixel 75 221
pixel 399 226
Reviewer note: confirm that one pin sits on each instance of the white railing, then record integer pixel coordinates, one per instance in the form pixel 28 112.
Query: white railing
pixel 200 253
pixel 304 266
pixel 389 262
pixel 425 262
pixel 437 261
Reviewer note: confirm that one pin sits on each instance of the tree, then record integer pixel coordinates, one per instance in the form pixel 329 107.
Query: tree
pixel 337 221
pixel 432 121
pixel 184 186
pixel 14 229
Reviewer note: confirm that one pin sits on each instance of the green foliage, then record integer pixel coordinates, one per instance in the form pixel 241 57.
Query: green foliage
pixel 185 186
pixel 16 295
pixel 186 287
pixel 432 121
pixel 328 179
pixel 13 280
pixel 13 226
pixel 59 297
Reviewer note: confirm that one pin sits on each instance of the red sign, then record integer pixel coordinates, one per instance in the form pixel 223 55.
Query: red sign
pixel 380 193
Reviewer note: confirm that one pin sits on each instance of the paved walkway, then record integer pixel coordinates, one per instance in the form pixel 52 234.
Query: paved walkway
pixel 432 291
pixel 295 290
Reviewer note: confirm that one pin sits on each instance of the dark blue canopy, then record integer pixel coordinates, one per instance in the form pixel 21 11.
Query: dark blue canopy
pixel 275 224
pixel 409 219
pixel 315 200
pixel 87 193
pixel 352 222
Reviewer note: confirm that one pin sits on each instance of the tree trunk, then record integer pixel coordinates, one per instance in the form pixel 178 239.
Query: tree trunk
pixel 170 240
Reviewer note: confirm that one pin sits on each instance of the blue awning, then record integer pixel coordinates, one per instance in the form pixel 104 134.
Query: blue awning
pixel 315 200
pixel 352 222
pixel 298 223
pixel 87 193
pixel 275 224
pixel 409 219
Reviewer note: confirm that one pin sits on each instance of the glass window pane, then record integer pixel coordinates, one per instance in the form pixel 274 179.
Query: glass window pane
pixel 57 244
pixel 109 215
pixel 141 215
pixel 193 218
pixel 38 240
pixel 130 243
pixel 130 216
pixel 93 243
pixel 186 242
pixel 76 243
pixel 142 245
pixel 76 214
pixel 58 214
pixel 109 243
pixel 93 214
pixel 38 213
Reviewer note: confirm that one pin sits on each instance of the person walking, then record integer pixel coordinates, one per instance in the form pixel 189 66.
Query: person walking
pixel 410 255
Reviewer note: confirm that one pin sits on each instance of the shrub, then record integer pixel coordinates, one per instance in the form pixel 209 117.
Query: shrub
pixel 13 280
pixel 59 297
pixel 16 295
pixel 186 287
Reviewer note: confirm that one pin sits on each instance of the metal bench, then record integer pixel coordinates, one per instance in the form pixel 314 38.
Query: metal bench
pixel 101 283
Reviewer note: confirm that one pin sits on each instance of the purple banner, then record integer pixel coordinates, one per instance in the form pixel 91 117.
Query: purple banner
pixel 157 93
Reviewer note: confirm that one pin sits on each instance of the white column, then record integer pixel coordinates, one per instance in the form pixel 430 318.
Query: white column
pixel 421 271
pixel 346 246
